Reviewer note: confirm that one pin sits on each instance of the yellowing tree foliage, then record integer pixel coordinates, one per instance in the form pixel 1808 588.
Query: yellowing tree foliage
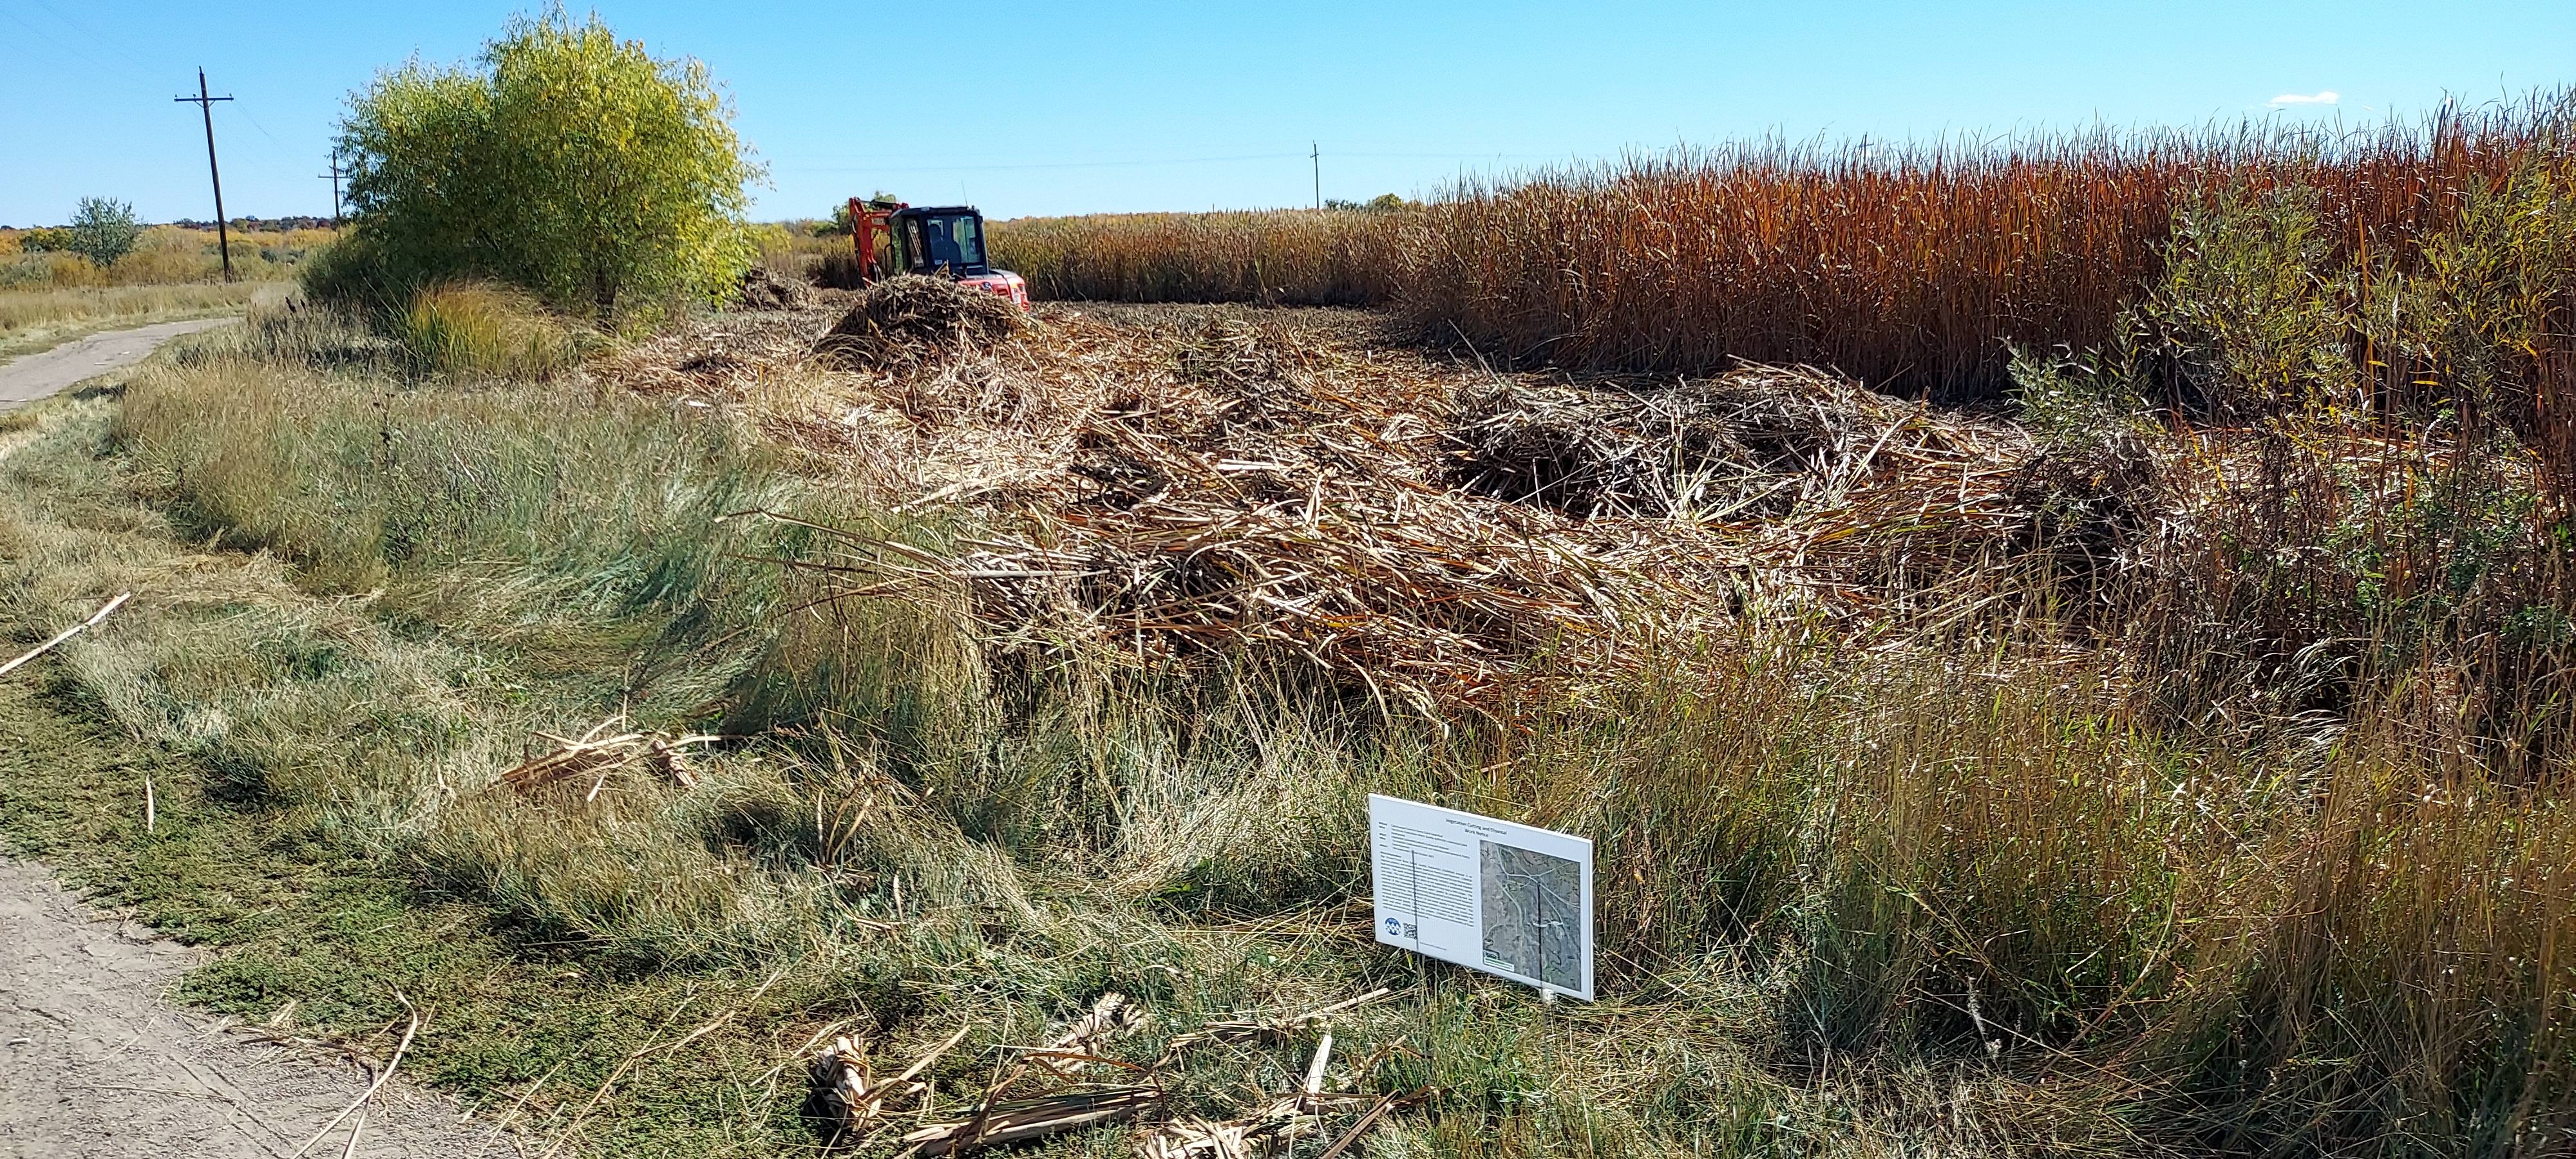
pixel 570 163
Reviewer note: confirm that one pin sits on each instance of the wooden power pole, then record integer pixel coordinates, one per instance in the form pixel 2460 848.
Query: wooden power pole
pixel 335 175
pixel 206 104
pixel 1315 153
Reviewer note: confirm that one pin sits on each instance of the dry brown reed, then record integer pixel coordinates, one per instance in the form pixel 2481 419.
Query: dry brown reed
pixel 1183 486
pixel 1283 258
pixel 1905 267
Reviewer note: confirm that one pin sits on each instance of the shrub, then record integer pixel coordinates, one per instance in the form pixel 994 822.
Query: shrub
pixel 103 230
pixel 484 330
pixel 171 254
pixel 1912 268
pixel 46 239
pixel 354 274
pixel 47 268
pixel 572 165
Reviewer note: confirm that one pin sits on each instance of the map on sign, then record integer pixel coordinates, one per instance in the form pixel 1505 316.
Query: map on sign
pixel 1490 895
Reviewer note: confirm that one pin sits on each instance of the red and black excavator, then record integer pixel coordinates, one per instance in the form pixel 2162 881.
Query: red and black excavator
pixel 946 241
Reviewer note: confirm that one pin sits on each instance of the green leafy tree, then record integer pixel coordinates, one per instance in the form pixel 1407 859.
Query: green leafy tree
pixel 569 163
pixel 103 230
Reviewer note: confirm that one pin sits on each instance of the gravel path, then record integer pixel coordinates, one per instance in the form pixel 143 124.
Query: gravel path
pixel 37 375
pixel 96 1063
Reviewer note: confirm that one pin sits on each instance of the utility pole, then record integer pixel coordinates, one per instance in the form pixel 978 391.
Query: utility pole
pixel 334 175
pixel 1317 155
pixel 206 104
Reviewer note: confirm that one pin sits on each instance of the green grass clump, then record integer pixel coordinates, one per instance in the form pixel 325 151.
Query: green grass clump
pixel 485 331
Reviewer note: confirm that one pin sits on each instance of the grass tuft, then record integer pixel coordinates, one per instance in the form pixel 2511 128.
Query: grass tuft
pixel 486 331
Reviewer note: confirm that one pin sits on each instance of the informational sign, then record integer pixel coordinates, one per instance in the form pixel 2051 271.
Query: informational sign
pixel 1489 895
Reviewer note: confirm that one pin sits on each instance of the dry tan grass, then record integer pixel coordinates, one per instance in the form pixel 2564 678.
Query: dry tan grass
pixel 168 255
pixel 35 319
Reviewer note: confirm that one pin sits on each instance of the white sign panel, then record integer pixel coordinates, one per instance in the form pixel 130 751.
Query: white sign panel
pixel 1489 895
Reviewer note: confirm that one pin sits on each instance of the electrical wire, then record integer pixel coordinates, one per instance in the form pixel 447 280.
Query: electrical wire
pixel 1039 165
pixel 103 42
pixel 49 38
pixel 1156 161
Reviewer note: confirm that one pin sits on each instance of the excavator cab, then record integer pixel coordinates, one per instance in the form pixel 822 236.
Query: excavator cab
pixel 942 241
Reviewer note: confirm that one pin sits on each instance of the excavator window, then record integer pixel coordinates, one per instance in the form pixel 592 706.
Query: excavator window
pixel 956 242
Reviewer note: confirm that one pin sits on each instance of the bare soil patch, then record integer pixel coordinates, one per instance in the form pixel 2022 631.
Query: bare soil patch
pixel 94 1061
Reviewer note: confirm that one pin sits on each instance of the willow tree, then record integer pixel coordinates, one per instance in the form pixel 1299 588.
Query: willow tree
pixel 564 161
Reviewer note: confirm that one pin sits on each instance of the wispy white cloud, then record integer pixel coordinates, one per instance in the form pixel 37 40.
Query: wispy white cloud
pixel 2285 100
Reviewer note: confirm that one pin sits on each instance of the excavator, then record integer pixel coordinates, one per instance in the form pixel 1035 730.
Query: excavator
pixel 945 241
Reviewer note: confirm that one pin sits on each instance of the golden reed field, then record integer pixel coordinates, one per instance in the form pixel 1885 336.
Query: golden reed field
pixel 1908 267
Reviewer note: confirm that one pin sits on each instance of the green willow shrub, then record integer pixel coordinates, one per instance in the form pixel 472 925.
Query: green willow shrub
pixel 104 230
pixel 570 164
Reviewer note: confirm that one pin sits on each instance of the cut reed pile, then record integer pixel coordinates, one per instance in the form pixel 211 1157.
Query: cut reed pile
pixel 762 288
pixel 909 318
pixel 1190 484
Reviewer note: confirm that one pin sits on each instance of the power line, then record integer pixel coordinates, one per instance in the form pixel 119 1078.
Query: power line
pixel 1043 165
pixel 1497 156
pixel 86 32
pixel 206 105
pixel 50 38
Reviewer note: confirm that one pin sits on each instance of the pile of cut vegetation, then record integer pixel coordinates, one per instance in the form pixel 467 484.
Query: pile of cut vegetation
pixel 762 289
pixel 1182 484
pixel 906 318
pixel 1761 441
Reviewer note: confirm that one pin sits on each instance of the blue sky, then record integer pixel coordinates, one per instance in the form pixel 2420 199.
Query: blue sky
pixel 1064 108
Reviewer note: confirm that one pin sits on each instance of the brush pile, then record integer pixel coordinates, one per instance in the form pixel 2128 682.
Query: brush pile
pixel 1181 484
pixel 1761 442
pixel 762 289
pixel 910 318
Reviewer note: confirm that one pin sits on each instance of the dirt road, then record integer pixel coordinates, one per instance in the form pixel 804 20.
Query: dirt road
pixel 95 1063
pixel 37 375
